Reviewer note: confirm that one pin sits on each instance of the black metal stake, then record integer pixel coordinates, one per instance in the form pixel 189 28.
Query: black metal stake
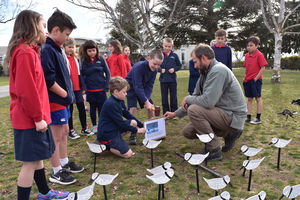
pixel 104 192
pixel 163 191
pixel 278 159
pixel 159 192
pixel 249 183
pixel 245 168
pixel 216 193
pixel 197 180
pixel 205 150
pixel 95 159
pixel 152 158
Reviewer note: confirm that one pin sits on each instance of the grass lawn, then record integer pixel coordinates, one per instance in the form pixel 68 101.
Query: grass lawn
pixel 132 183
pixel 4 80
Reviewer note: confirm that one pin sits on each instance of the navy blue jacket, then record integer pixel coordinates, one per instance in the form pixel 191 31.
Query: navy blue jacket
pixel 141 80
pixel 171 61
pixel 223 55
pixel 111 122
pixel 95 75
pixel 55 68
pixel 194 76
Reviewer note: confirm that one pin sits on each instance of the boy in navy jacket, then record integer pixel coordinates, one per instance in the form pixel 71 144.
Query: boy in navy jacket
pixel 222 51
pixel 61 95
pixel 141 79
pixel 111 122
pixel 167 77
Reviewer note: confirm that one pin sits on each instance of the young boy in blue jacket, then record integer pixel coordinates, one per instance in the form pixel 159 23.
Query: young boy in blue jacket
pixel 141 78
pixel 111 122
pixel 167 78
pixel 61 95
pixel 222 51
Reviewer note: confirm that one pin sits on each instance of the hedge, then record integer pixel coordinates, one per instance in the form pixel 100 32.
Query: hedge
pixel 292 62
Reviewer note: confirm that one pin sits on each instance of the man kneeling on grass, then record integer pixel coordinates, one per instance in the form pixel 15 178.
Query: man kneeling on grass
pixel 217 104
pixel 111 122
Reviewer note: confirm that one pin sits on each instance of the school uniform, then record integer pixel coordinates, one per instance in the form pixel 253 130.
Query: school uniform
pixel 96 77
pixel 168 81
pixel 223 54
pixel 127 64
pixel 112 124
pixel 194 76
pixel 29 104
pixel 116 65
pixel 141 80
pixel 56 70
pixel 253 64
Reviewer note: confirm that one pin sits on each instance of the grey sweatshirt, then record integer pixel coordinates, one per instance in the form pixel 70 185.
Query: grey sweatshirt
pixel 221 89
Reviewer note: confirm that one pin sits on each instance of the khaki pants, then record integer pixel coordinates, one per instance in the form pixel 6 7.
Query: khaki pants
pixel 203 121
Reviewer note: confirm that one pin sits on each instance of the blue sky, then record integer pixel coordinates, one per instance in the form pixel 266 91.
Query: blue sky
pixel 89 24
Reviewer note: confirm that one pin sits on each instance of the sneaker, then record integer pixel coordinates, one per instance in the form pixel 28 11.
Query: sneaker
pixel 132 139
pixel 215 154
pixel 53 194
pixel 255 121
pixel 73 135
pixel 87 132
pixel 72 167
pixel 62 177
pixel 95 129
pixel 230 139
pixel 247 120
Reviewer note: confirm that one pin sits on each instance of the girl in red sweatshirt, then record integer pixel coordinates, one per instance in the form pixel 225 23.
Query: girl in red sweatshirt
pixel 126 54
pixel 115 61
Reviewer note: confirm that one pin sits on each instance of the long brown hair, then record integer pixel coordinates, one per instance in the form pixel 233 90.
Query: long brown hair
pixel 117 46
pixel 25 28
pixel 89 44
pixel 71 42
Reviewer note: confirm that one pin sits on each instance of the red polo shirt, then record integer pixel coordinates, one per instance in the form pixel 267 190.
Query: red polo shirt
pixel 253 64
pixel 27 88
pixel 127 64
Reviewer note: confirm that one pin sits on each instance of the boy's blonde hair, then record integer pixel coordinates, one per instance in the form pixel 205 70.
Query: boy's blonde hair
pixel 118 83
pixel 168 40
pixel 220 33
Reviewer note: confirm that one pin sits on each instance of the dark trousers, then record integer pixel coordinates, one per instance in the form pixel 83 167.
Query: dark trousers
pixel 165 88
pixel 93 107
pixel 82 115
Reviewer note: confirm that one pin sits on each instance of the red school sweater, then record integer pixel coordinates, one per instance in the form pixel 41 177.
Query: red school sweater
pixel 127 64
pixel 27 88
pixel 116 65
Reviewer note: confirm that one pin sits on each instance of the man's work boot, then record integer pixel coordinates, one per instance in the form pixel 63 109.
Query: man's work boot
pixel 230 139
pixel 214 154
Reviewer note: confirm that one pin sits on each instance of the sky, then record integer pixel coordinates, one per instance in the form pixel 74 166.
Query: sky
pixel 89 24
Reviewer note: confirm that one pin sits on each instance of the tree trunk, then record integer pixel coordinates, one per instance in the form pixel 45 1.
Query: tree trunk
pixel 277 58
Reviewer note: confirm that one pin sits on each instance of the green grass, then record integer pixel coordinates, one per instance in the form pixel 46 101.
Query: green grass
pixel 4 80
pixel 132 183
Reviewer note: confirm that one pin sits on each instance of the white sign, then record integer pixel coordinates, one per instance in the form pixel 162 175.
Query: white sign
pixel 155 129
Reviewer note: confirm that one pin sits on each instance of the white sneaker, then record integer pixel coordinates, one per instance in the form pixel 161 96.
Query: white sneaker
pixel 255 121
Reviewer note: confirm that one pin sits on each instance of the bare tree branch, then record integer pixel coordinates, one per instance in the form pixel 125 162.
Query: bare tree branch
pixel 292 33
pixel 289 14
pixel 272 15
pixel 289 27
pixel 264 17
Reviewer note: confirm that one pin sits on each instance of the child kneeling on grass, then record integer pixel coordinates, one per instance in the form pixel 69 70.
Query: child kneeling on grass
pixel 111 122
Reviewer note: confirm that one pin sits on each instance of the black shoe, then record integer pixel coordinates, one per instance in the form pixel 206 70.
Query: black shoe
pixel 87 132
pixel 72 167
pixel 247 120
pixel 215 154
pixel 132 139
pixel 62 177
pixel 73 135
pixel 230 139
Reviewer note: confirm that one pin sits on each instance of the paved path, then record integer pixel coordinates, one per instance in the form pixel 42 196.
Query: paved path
pixel 4 91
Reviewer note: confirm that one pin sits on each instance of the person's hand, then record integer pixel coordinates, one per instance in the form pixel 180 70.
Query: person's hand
pixel 133 123
pixel 163 71
pixel 171 70
pixel 41 126
pixel 148 105
pixel 183 104
pixel 141 130
pixel 255 79
pixel 169 115
pixel 105 56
